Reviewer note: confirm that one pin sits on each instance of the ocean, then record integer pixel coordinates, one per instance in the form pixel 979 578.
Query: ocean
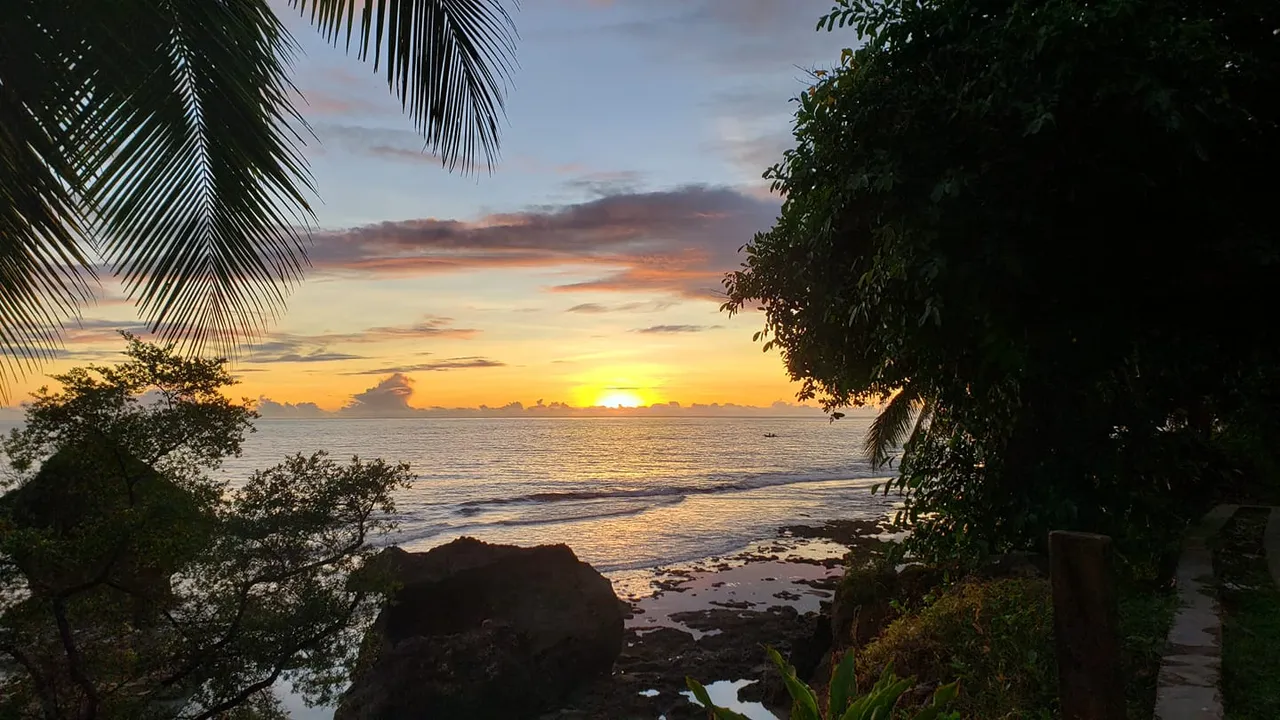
pixel 629 495
pixel 624 493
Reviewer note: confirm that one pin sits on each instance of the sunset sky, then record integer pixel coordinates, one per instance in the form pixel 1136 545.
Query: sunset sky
pixel 585 269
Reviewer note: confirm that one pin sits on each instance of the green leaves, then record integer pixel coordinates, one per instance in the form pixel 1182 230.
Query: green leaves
pixel 844 701
pixel 889 429
pixel 844 685
pixel 804 702
pixel 972 206
pixel 160 589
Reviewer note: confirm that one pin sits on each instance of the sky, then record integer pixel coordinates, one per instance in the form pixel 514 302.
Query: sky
pixel 585 269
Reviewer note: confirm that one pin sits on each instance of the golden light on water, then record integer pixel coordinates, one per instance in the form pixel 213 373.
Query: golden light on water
pixel 619 398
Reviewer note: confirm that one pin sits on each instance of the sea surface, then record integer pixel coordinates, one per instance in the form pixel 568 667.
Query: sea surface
pixel 624 493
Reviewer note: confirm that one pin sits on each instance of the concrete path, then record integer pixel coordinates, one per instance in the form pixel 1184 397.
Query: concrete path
pixel 1187 688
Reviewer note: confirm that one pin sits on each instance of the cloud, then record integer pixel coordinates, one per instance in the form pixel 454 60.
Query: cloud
pixel 386 143
pixel 678 241
pixel 293 350
pixel 320 102
pixel 604 184
pixel 260 356
pixel 589 309
pixel 271 409
pixel 459 363
pixel 88 330
pixel 393 395
pixel 389 398
pixel 675 329
pixel 599 309
pixel 297 348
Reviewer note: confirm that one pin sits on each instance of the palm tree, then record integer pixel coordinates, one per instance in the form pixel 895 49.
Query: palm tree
pixel 907 410
pixel 158 140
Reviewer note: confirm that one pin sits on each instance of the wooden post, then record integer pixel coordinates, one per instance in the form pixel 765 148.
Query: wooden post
pixel 1090 676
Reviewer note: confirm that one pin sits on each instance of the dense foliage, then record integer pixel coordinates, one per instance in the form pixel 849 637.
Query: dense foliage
pixel 134 583
pixel 1048 224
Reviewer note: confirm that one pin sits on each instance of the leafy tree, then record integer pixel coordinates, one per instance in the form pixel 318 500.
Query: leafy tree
pixel 1045 223
pixel 134 584
pixel 160 140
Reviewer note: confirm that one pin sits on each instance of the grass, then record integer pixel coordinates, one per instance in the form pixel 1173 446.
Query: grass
pixel 1251 620
pixel 1145 618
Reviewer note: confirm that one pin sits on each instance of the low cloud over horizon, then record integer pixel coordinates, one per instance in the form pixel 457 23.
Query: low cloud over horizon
pixel 391 396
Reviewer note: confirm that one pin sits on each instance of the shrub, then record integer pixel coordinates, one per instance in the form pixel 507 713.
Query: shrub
pixel 134 583
pixel 996 637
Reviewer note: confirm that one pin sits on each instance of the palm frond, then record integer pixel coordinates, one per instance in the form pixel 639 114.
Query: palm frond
pixel 446 60
pixel 159 135
pixel 924 419
pixel 41 252
pixel 889 429
pixel 196 182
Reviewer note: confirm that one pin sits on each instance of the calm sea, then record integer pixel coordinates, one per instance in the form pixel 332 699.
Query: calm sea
pixel 624 493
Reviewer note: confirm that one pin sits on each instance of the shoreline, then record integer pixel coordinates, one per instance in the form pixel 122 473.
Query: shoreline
pixel 709 618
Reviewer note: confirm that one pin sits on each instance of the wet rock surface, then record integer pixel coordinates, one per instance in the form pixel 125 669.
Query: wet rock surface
pixel 776 593
pixel 649 676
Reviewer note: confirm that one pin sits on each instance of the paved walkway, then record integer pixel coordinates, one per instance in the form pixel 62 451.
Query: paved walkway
pixel 1188 684
pixel 1192 666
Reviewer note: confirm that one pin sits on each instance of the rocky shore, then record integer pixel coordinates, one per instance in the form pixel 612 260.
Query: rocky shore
pixel 511 627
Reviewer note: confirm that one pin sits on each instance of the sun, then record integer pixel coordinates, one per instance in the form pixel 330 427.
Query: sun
pixel 618 398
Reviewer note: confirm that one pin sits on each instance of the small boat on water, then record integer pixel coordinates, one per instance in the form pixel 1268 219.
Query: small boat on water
pixel 771 434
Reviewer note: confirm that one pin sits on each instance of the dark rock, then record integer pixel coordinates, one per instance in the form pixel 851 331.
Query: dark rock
pixel 916 580
pixel 852 533
pixel 808 652
pixel 862 606
pixel 1015 565
pixel 484 631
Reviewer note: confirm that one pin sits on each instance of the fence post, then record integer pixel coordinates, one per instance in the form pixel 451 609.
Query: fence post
pixel 1085 626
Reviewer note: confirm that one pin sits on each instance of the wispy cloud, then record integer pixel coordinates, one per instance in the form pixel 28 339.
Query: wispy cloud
pixel 300 348
pixel 675 329
pixel 642 307
pixel 284 353
pixel 458 363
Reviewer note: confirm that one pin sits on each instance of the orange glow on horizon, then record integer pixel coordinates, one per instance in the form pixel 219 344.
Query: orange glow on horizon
pixel 619 398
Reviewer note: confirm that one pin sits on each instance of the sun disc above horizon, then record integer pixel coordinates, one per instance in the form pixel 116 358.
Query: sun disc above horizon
pixel 618 399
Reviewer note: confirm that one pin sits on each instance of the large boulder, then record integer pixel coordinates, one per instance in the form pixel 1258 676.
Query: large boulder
pixel 484 631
